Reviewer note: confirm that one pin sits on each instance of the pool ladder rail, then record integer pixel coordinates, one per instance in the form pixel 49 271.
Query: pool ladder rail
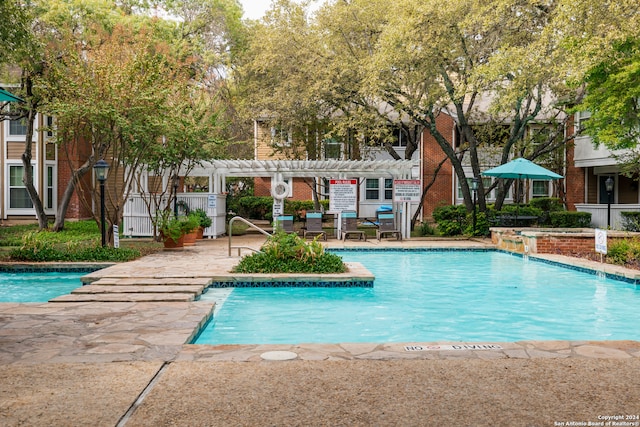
pixel 250 224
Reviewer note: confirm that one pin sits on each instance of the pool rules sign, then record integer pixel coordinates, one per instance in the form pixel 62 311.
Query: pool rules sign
pixel 406 190
pixel 343 195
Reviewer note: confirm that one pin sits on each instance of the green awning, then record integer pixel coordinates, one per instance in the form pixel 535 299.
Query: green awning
pixel 9 97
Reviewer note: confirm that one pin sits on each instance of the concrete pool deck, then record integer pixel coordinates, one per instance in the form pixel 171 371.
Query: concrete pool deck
pixel 112 361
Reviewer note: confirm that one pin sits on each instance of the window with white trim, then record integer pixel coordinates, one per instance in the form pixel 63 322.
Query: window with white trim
pixel 18 195
pixel 281 137
pixel 372 189
pixel 388 189
pixel 539 188
pixel 49 187
pixel 18 127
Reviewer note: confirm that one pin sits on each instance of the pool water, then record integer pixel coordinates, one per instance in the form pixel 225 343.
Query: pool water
pixel 37 287
pixel 423 296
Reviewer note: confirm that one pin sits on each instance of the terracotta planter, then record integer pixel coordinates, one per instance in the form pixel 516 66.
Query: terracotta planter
pixel 190 238
pixel 200 233
pixel 169 243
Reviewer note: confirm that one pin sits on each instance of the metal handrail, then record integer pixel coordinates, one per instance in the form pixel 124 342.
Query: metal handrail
pixel 250 224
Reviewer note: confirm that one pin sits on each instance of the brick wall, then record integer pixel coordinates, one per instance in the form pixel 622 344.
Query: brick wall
pixel 574 177
pixel 71 157
pixel 441 190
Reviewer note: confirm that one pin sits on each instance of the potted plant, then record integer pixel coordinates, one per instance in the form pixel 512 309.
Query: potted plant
pixel 190 224
pixel 171 230
pixel 204 221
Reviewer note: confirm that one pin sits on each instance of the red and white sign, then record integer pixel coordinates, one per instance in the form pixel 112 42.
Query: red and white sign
pixel 343 195
pixel 406 190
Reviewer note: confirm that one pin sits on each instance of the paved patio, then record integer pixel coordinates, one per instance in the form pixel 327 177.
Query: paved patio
pixel 117 355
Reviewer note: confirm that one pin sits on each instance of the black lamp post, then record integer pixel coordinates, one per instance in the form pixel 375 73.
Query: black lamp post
pixel 609 186
pixel 102 168
pixel 176 181
pixel 474 186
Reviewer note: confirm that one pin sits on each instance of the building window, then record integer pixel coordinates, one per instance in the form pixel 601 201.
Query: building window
pixel 372 187
pixel 49 131
pixel 281 137
pixel 388 189
pixel 486 183
pixel 540 188
pixel 18 127
pixel 50 178
pixel 332 149
pixel 18 195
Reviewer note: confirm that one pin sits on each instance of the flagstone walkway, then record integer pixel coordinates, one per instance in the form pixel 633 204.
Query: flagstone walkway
pixel 116 337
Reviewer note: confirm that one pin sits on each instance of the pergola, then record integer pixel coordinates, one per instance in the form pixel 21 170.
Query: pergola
pixel 278 170
pixel 218 170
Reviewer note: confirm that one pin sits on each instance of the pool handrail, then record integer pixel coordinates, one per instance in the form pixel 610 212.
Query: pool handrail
pixel 250 224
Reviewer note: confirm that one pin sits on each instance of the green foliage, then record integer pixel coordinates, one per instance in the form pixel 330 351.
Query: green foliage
pixel 570 219
pixel 78 231
pixel 203 218
pixel 623 252
pixel 173 228
pixel 522 210
pixel 45 246
pixel 426 229
pixel 547 204
pixel 254 207
pixel 630 221
pixel 288 253
pixel 451 219
pixel 482 225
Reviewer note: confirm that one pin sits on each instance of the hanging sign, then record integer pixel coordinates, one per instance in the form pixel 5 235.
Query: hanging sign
pixel 406 190
pixel 601 241
pixel 343 195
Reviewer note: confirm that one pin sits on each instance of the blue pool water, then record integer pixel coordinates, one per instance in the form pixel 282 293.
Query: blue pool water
pixel 37 287
pixel 433 296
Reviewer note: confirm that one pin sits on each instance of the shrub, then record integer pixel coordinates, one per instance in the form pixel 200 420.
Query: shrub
pixel 482 225
pixel 451 219
pixel 288 253
pixel 44 246
pixel 254 207
pixel 619 252
pixel 426 229
pixel 547 205
pixel 630 221
pixel 570 219
pixel 203 219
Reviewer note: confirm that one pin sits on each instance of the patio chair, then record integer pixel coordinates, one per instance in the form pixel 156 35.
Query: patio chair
pixel 349 225
pixel 285 223
pixel 387 226
pixel 314 225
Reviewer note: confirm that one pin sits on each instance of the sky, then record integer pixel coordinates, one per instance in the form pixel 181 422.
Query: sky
pixel 255 9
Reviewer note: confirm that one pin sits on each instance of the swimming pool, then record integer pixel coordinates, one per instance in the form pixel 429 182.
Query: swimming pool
pixel 425 296
pixel 37 287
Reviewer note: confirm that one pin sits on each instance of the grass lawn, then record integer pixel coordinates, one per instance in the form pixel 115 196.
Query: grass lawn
pixel 77 235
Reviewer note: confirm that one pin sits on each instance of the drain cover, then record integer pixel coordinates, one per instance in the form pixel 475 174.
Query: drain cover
pixel 279 355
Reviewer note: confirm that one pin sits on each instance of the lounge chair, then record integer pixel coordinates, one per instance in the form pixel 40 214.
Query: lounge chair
pixel 314 225
pixel 349 225
pixel 387 226
pixel 285 223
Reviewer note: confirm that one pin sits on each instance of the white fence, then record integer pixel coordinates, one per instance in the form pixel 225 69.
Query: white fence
pixel 137 222
pixel 599 214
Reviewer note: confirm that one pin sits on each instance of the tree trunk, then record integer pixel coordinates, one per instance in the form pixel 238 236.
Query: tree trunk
pixel 27 156
pixel 63 204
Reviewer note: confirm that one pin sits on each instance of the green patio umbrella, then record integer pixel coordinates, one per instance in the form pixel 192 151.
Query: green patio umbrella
pixel 9 97
pixel 521 169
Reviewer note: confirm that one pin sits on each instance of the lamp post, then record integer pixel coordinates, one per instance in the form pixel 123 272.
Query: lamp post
pixel 176 180
pixel 102 168
pixel 474 186
pixel 609 186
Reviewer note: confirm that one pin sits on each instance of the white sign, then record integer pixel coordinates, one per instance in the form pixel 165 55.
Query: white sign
pixel 278 208
pixel 601 241
pixel 343 195
pixel 406 190
pixel 116 237
pixel 211 201
pixel 439 347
